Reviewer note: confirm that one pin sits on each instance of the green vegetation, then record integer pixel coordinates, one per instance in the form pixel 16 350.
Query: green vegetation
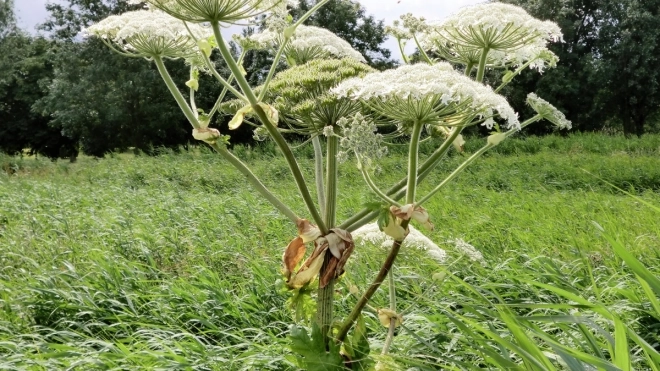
pixel 116 264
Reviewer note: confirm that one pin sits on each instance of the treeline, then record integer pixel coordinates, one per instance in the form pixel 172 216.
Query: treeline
pixel 61 95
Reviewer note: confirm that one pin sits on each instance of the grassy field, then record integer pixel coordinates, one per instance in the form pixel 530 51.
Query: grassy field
pixel 172 262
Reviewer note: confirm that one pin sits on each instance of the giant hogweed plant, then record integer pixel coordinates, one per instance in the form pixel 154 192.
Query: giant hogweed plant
pixel 329 94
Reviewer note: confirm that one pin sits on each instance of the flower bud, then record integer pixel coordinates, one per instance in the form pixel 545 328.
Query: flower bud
pixel 193 84
pixel 497 138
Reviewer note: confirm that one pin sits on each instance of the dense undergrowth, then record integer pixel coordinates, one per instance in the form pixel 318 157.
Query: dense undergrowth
pixel 172 262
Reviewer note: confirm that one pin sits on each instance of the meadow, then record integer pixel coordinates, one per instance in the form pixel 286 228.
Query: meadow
pixel 173 262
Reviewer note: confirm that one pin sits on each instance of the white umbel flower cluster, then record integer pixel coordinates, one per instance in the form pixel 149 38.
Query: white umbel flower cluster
pixel 511 36
pixel 307 43
pixel 498 26
pixel 548 111
pixel 422 82
pixel 371 234
pixel 222 11
pixel 149 34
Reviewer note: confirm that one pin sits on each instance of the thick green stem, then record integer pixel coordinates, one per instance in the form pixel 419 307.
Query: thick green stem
pixel 223 93
pixel 403 54
pixel 421 51
pixel 364 299
pixel 482 65
pixel 180 100
pixel 424 170
pixel 325 301
pixel 325 304
pixel 272 129
pixel 318 167
pixel 255 182
pixel 331 174
pixel 468 69
pixel 413 159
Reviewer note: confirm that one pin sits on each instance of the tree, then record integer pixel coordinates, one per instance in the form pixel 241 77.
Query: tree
pixel 573 85
pixel 105 101
pixel 629 61
pixel 348 20
pixel 24 68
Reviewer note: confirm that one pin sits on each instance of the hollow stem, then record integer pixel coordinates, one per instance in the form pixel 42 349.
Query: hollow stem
pixel 413 159
pixel 180 100
pixel 325 301
pixel 318 167
pixel 403 54
pixel 468 69
pixel 272 130
pixel 482 65
pixel 422 52
pixel 224 91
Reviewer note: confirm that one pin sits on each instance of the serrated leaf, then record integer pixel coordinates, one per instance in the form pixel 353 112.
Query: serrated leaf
pixel 311 352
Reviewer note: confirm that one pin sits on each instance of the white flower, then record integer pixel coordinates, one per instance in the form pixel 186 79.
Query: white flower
pixel 149 34
pixel 497 26
pixel 223 11
pixel 468 250
pixel 307 43
pixel 370 234
pixel 548 111
pixel 516 39
pixel 426 89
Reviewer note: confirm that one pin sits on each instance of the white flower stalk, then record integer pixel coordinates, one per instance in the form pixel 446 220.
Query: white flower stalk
pixel 307 43
pixel 150 34
pixel 497 26
pixel 222 11
pixel 548 111
pixel 398 32
pixel 371 234
pixel 427 94
pixel 359 136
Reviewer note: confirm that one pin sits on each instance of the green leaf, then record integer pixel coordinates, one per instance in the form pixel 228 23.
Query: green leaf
pixel 312 354
pixel 621 355
pixel 357 348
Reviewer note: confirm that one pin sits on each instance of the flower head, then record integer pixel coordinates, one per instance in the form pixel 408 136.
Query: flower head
pixel 497 26
pixel 548 111
pixel 426 94
pixel 301 94
pixel 307 43
pixel 149 34
pixel 359 136
pixel 223 11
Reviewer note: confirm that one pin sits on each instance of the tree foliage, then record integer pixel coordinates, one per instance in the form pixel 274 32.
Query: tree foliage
pixel 607 75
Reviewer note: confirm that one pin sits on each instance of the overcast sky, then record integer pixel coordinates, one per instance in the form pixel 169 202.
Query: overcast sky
pixel 32 12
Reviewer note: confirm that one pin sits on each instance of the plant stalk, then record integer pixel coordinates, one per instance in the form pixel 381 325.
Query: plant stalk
pixel 325 301
pixel 318 167
pixel 272 129
pixel 181 101
pixel 482 65
pixel 364 299
pixel 390 331
pixel 413 159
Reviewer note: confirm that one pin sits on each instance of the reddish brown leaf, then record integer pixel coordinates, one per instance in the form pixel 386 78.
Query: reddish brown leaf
pixel 292 256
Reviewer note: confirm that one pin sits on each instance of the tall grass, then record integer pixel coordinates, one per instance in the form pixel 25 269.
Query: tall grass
pixel 172 262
